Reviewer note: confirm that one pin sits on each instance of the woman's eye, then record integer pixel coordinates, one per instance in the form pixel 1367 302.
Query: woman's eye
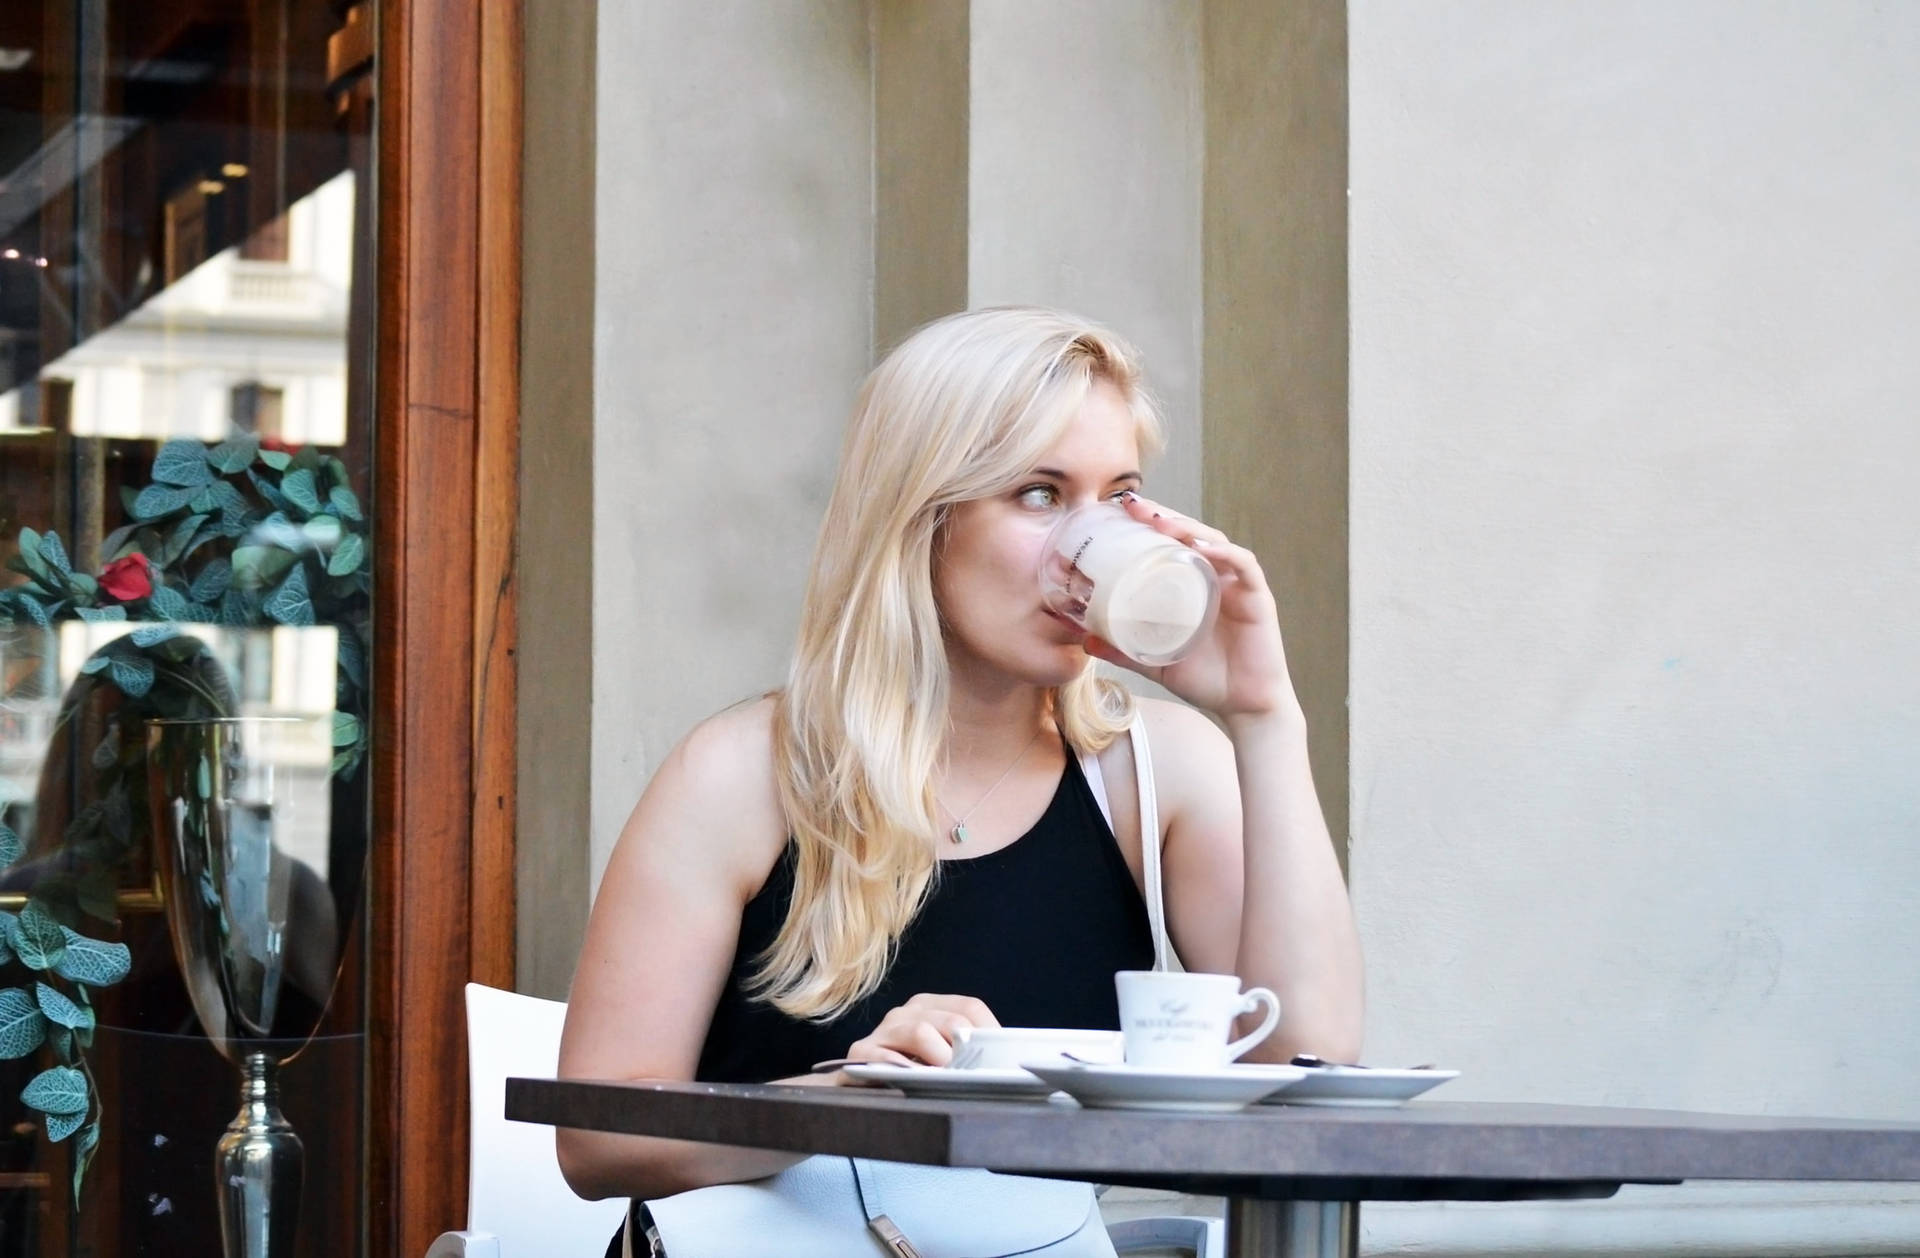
pixel 1039 496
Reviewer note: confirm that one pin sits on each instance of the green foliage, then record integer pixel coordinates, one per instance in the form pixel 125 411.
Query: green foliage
pixel 231 534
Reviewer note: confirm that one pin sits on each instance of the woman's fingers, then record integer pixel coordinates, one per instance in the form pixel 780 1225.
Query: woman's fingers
pixel 923 1031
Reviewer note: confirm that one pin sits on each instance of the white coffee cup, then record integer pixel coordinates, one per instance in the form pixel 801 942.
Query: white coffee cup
pixel 1008 1048
pixel 1185 1021
pixel 1128 583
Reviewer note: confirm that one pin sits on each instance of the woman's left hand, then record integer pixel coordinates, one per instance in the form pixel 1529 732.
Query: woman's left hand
pixel 1239 668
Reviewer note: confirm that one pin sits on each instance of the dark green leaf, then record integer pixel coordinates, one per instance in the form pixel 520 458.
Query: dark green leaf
pixel 347 556
pixel 60 1126
pixel 60 1040
pixel 212 581
pixel 237 610
pixel 342 760
pixel 176 543
pixel 268 490
pixel 290 604
pixel 95 663
pixel 257 566
pixel 154 635
pixel 22 1026
pixel 158 500
pixel 128 495
pixel 234 454
pixel 29 547
pixel 36 612
pixel 202 500
pixel 307 458
pixel 343 500
pixel 59 1009
pixel 227 498
pixel 182 462
pixel 133 674
pixel 352 658
pixel 92 961
pixel 108 751
pixel 6 938
pixel 10 846
pixel 234 524
pixel 168 602
pixel 276 459
pixel 346 729
pixel 115 546
pixel 116 612
pixel 38 940
pixel 58 1090
pixel 54 553
pixel 299 488
pixel 83 1147
pixel 83 585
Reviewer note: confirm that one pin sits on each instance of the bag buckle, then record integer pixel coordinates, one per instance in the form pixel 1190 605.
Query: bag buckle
pixel 892 1237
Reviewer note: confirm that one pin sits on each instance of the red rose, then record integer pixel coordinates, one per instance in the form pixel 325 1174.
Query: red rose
pixel 127 579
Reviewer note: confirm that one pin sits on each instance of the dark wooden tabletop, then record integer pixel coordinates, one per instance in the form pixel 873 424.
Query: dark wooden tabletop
pixel 1427 1149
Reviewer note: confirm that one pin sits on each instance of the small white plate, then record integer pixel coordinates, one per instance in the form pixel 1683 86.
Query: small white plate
pixel 1360 1086
pixel 946 1083
pixel 1190 1091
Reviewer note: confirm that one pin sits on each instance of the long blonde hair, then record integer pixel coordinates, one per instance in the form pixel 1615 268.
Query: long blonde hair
pixel 961 410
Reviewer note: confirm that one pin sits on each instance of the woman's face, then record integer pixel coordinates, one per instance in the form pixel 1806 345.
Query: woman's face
pixel 987 559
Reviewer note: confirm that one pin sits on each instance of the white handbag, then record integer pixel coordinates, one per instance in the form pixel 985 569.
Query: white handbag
pixel 834 1207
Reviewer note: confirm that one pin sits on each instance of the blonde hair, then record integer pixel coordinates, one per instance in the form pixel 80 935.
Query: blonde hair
pixel 962 409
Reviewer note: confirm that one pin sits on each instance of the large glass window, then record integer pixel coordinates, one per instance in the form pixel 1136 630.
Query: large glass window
pixel 185 441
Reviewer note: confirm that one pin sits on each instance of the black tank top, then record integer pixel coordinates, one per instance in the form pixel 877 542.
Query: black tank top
pixel 1036 930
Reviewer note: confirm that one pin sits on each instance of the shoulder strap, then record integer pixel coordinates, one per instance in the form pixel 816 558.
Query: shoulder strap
pixel 1150 843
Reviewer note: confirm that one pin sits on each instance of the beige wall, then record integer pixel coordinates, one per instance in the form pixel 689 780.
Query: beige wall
pixel 1636 700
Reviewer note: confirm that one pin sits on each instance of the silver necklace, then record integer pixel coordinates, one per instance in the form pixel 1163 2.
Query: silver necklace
pixel 959 832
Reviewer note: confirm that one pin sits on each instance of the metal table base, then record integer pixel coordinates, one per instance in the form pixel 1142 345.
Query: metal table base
pixel 1292 1229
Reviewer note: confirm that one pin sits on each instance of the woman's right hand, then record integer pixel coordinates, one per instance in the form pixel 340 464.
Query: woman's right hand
pixel 923 1031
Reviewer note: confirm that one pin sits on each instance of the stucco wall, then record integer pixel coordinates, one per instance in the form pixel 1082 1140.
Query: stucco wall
pixel 1635 424
pixel 732 324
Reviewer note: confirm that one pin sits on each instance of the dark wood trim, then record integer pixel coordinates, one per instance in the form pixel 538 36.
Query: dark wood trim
pixel 448 297
pixel 497 498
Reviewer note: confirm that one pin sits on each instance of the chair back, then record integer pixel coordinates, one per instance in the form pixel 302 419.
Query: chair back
pixel 514 1187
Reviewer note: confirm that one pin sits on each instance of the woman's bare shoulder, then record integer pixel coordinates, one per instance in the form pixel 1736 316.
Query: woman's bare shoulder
pixel 716 791
pixel 1190 752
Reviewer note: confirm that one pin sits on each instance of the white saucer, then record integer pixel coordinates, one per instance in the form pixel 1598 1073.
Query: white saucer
pixel 1190 1091
pixel 1358 1086
pixel 946 1083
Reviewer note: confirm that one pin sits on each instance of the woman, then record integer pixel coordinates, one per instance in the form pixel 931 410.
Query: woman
pixel 902 844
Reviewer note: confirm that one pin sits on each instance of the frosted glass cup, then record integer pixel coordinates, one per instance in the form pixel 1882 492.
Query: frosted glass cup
pixel 1127 583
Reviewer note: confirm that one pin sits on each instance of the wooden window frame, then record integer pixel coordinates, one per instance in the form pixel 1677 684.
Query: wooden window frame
pixel 446 476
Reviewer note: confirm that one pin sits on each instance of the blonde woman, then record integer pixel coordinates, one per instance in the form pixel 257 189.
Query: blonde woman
pixel 790 889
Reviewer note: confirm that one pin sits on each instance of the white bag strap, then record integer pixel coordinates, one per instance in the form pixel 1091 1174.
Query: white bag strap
pixel 1150 843
pixel 1163 958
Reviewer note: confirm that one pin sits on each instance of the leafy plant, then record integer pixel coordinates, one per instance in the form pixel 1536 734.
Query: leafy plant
pixel 236 535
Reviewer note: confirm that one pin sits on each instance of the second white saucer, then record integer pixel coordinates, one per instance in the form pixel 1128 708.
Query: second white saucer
pixel 1191 1091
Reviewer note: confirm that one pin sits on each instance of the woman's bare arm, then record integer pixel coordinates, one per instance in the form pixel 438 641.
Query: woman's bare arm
pixel 659 944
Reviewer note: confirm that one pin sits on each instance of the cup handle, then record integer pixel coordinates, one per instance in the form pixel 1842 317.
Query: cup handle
pixel 1251 1000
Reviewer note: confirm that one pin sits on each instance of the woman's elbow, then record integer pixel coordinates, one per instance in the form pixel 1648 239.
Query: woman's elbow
pixel 578 1165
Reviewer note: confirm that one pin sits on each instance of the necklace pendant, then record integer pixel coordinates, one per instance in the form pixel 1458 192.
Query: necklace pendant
pixel 960 833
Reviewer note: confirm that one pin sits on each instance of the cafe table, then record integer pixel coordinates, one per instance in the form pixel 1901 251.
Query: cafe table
pixel 1293 1176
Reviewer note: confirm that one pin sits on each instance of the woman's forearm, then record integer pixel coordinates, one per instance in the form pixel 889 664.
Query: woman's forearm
pixel 599 1164
pixel 1297 933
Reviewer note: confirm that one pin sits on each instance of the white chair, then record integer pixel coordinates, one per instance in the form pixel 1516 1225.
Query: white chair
pixel 518 1204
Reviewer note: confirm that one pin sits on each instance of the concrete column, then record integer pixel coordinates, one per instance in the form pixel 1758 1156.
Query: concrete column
pixel 555 565
pixel 1276 334
pixel 733 322
pixel 1084 184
